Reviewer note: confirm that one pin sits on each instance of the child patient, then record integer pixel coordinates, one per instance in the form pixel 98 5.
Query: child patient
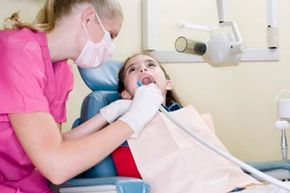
pixel 145 69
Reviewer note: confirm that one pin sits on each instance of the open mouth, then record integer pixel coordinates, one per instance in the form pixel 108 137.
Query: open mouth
pixel 147 80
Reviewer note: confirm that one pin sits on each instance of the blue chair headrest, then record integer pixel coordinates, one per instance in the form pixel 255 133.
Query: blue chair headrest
pixel 104 77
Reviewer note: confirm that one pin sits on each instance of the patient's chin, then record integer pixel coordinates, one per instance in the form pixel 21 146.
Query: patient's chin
pixel 127 98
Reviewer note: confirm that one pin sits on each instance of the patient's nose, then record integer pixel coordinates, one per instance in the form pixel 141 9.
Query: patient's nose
pixel 143 69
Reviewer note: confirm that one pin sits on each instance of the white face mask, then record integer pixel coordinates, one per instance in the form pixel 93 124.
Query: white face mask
pixel 94 54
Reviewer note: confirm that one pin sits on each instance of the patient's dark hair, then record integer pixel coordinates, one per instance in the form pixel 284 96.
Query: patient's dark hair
pixel 171 96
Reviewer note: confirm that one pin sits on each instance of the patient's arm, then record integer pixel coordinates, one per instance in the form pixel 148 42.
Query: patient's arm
pixel 92 125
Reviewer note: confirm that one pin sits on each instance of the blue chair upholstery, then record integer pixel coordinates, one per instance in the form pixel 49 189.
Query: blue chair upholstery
pixel 279 169
pixel 103 83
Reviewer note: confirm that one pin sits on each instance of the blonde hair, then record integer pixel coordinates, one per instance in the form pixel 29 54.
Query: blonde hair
pixel 54 10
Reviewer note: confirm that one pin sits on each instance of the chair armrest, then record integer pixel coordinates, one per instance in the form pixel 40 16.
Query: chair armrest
pixel 122 184
pixel 271 165
pixel 76 123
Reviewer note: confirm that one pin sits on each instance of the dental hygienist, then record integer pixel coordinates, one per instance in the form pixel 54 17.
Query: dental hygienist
pixel 35 80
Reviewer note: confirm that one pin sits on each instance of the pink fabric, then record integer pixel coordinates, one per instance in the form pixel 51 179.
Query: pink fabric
pixel 29 82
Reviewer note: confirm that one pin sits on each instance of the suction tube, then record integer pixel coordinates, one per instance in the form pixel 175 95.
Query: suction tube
pixel 226 155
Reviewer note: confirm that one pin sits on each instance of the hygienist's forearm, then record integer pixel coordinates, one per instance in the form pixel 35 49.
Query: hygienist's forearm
pixel 94 124
pixel 59 160
pixel 76 156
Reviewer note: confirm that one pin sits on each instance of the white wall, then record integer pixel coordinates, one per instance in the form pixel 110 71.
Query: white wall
pixel 240 99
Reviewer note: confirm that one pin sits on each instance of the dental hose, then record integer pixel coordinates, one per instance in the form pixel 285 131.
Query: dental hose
pixel 226 155
pixel 243 165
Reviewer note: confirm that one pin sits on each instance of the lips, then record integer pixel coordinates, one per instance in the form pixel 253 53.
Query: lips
pixel 147 80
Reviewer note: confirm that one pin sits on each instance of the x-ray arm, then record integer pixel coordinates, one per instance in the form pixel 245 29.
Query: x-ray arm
pixel 221 49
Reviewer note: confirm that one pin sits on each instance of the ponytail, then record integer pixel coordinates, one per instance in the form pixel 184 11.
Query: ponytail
pixel 46 18
pixel 53 10
pixel 14 22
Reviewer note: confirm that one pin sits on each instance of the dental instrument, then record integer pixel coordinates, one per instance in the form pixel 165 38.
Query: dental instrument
pixel 224 154
pixel 283 114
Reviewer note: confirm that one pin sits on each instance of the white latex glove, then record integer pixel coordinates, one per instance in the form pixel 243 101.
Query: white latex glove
pixel 145 105
pixel 116 109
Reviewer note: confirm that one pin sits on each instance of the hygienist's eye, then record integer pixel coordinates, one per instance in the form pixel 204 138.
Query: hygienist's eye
pixel 112 36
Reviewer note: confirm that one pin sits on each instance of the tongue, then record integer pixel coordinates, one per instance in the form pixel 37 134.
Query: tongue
pixel 147 80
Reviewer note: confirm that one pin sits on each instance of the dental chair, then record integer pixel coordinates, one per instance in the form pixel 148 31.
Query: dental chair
pixel 102 178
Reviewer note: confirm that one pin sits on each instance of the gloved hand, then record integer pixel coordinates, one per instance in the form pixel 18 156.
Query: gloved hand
pixel 145 105
pixel 116 109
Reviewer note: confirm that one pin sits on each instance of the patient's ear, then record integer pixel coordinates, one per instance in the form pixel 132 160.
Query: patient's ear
pixel 126 95
pixel 169 85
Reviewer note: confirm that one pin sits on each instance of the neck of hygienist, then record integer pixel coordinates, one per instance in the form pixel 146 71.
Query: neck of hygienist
pixel 63 43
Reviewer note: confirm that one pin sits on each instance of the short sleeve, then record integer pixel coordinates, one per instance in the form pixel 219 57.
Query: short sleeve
pixel 64 84
pixel 22 79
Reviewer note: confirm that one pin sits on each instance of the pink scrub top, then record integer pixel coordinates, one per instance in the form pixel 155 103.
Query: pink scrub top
pixel 29 82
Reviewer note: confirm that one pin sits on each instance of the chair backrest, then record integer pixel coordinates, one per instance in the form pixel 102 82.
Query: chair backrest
pixel 104 77
pixel 103 82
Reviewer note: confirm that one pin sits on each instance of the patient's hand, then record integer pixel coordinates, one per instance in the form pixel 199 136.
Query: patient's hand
pixel 116 109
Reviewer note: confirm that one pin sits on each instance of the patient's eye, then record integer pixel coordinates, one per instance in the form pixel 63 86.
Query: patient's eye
pixel 151 64
pixel 131 69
